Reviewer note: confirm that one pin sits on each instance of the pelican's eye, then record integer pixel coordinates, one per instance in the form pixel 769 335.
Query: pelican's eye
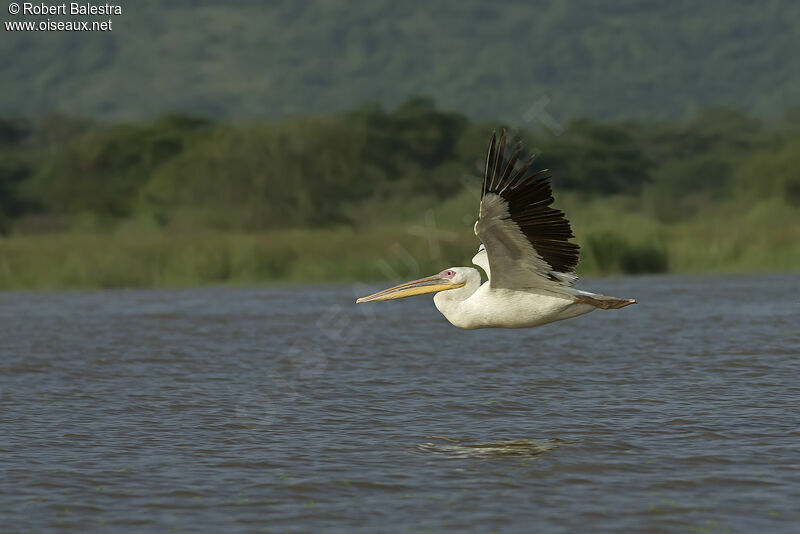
pixel 449 273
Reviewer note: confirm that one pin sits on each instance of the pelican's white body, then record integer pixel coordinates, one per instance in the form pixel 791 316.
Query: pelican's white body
pixel 477 305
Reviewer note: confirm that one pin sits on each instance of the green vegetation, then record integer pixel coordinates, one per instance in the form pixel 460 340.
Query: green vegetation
pixel 487 59
pixel 184 200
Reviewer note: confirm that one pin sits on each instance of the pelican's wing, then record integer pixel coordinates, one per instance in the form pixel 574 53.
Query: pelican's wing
pixel 527 241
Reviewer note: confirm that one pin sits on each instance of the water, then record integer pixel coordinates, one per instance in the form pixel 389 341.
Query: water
pixel 293 410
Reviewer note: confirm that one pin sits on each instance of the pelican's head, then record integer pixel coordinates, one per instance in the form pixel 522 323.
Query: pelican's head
pixel 452 278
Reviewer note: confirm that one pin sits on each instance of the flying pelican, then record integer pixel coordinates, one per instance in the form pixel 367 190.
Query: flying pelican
pixel 525 252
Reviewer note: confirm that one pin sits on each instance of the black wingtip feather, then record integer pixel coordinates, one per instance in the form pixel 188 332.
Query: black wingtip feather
pixel 529 197
pixel 489 165
pixel 498 159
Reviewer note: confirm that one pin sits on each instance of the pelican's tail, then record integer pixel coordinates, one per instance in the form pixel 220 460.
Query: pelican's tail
pixel 602 301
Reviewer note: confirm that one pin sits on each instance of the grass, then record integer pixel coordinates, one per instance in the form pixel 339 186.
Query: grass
pixel 165 260
pixel 616 239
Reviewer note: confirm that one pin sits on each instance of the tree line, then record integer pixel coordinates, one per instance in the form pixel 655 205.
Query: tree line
pixel 183 171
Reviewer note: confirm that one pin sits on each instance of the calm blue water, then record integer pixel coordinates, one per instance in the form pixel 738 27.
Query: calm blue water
pixel 293 410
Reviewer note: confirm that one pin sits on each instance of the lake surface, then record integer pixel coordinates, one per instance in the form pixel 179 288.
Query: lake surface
pixel 293 410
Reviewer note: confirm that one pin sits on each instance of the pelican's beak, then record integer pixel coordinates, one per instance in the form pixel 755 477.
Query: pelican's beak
pixel 431 284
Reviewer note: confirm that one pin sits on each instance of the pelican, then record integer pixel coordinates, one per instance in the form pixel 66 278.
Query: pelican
pixel 525 252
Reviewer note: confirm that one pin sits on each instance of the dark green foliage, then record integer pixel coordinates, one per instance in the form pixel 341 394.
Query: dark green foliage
pixel 13 132
pixel 682 187
pixel 14 170
pixel 369 165
pixel 791 191
pixel 300 173
pixel 597 158
pixel 103 170
pixel 413 141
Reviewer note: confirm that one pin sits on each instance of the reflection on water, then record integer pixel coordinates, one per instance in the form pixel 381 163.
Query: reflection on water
pixel 518 448
pixel 293 410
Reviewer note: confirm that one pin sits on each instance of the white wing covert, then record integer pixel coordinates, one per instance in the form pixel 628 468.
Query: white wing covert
pixel 482 260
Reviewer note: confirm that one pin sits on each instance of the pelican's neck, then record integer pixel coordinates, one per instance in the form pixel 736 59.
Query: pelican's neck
pixel 448 302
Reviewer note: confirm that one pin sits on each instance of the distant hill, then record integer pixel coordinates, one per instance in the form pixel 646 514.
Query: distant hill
pixel 252 58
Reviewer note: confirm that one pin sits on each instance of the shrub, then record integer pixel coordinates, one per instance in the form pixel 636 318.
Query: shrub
pixel 613 253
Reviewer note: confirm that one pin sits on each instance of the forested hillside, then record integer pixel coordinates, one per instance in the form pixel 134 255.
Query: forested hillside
pixel 484 59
